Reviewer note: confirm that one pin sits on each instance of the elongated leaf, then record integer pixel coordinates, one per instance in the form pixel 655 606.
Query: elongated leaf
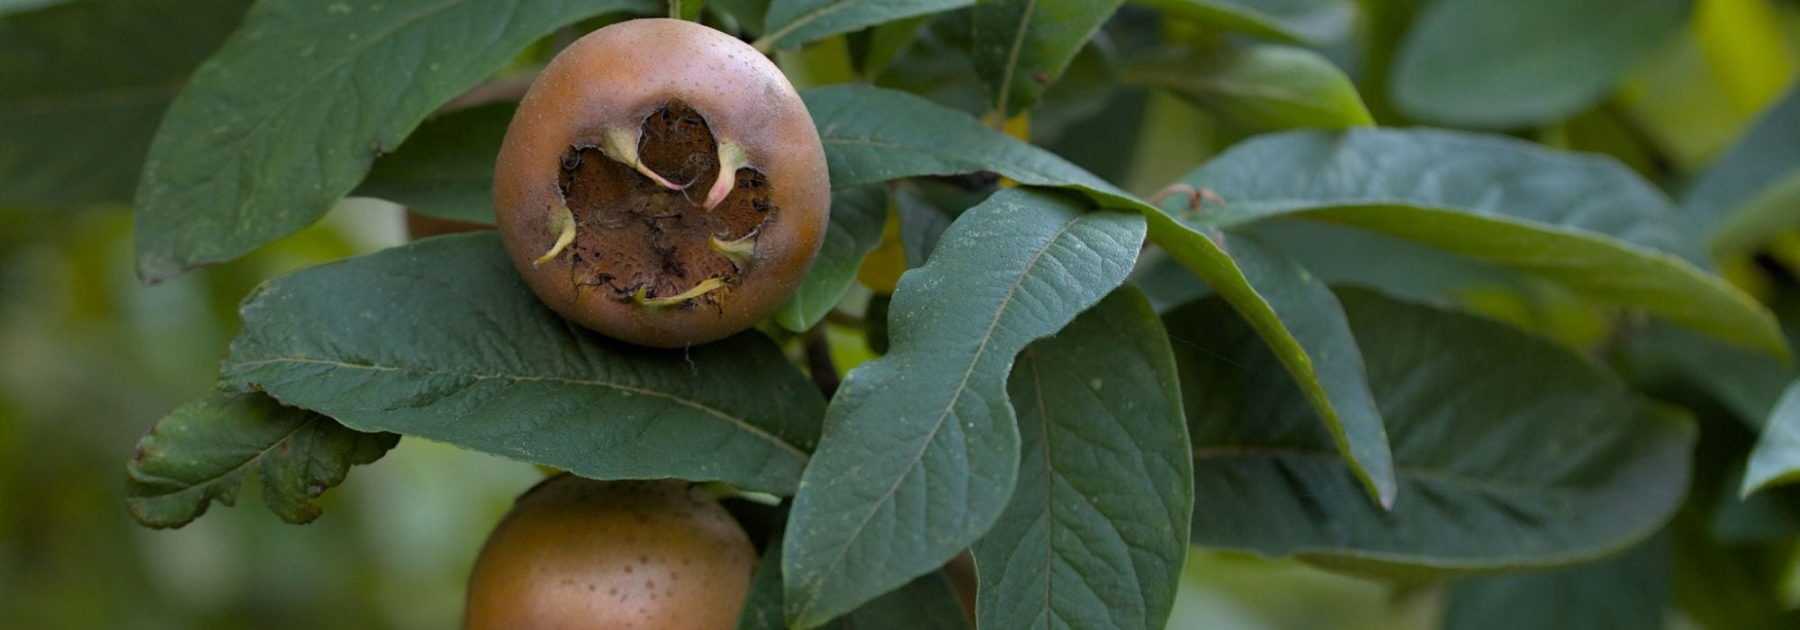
pixel 446 167
pixel 856 220
pixel 203 451
pixel 1584 222
pixel 1776 460
pixel 1022 46
pixel 1297 21
pixel 1753 191
pixel 1341 392
pixel 873 135
pixel 289 115
pixel 790 23
pixel 1510 451
pixel 924 439
pixel 84 87
pixel 440 339
pixel 1096 532
pixel 1627 592
pixel 1260 88
pixel 1480 63
pixel 924 603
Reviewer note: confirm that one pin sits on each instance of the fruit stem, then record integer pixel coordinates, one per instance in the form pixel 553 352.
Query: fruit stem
pixel 706 286
pixel 563 221
pixel 731 158
pixel 622 146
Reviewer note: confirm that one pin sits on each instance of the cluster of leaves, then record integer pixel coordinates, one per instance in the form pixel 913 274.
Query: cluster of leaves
pixel 1332 341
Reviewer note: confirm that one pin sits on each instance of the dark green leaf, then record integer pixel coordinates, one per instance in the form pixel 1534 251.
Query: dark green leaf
pixel 1299 21
pixel 922 223
pixel 1745 382
pixel 1753 191
pixel 202 452
pixel 1022 46
pixel 874 135
pixel 927 603
pixel 85 86
pixel 1259 88
pixel 923 439
pixel 1510 452
pixel 446 168
pixel 1585 222
pixel 21 6
pixel 1776 460
pixel 289 115
pixel 1096 533
pixel 747 13
pixel 886 42
pixel 791 23
pixel 1627 592
pixel 856 220
pixel 1481 63
pixel 1339 390
pixel 441 339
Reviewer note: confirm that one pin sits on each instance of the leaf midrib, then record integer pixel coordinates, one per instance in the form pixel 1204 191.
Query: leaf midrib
pixel 742 424
pixel 962 385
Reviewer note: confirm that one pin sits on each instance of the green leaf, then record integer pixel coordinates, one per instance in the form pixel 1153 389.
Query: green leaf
pixel 1297 21
pixel 1500 65
pixel 1627 592
pixel 85 85
pixel 1262 87
pixel 791 23
pixel 1776 460
pixel 440 339
pixel 289 115
pixel 1023 46
pixel 1746 383
pixel 446 168
pixel 1096 533
pixel 856 220
pixel 1753 191
pixel 747 13
pixel 928 602
pixel 925 215
pixel 202 452
pixel 874 135
pixel 1338 386
pixel 20 6
pixel 1584 222
pixel 1511 452
pixel 923 439
pixel 886 42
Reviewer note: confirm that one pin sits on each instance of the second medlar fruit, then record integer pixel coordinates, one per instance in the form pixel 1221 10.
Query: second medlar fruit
pixel 662 183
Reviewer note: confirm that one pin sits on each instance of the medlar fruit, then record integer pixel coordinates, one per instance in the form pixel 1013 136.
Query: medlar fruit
pixel 576 553
pixel 662 183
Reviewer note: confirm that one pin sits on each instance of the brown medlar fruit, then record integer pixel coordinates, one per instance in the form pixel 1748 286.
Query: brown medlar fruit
pixel 576 553
pixel 662 183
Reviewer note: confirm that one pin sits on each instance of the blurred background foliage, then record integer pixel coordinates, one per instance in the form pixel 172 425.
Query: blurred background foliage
pixel 89 359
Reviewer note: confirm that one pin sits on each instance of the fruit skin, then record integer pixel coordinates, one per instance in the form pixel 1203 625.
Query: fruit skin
pixel 614 78
pixel 576 553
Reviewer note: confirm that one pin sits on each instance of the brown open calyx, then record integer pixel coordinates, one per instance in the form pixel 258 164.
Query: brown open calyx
pixel 655 242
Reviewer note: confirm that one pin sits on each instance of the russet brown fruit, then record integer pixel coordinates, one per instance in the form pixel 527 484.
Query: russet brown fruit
pixel 662 183
pixel 577 554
